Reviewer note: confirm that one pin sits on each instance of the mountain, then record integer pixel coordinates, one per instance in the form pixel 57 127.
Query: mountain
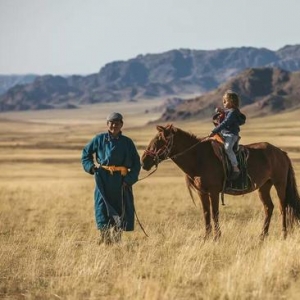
pixel 8 81
pixel 262 91
pixel 168 74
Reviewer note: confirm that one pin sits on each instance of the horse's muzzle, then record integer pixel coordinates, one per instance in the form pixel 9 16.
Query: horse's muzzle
pixel 146 167
pixel 147 163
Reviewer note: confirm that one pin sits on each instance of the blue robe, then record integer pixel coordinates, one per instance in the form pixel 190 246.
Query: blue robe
pixel 114 203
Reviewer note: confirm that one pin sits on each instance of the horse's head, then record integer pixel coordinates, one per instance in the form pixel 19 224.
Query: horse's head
pixel 159 147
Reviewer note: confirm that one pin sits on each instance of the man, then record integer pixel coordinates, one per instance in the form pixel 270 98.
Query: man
pixel 116 168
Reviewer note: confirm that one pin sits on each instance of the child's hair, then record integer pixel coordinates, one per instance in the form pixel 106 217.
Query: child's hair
pixel 233 98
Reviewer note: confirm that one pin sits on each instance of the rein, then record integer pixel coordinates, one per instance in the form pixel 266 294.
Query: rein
pixel 148 174
pixel 157 155
pixel 184 151
pixel 166 150
pixel 161 155
pixel 136 216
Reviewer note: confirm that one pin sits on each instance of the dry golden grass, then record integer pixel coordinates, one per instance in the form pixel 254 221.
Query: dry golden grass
pixel 48 239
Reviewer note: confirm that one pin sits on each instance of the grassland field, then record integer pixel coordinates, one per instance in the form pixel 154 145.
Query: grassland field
pixel 48 238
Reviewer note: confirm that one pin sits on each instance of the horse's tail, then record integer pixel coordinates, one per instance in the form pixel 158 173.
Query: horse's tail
pixel 190 186
pixel 292 197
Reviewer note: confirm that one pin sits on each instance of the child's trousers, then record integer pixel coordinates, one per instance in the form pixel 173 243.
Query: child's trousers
pixel 229 141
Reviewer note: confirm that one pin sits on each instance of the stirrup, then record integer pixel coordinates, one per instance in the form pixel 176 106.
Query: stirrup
pixel 234 175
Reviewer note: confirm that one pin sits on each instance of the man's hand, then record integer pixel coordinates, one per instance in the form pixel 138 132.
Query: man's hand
pixel 94 169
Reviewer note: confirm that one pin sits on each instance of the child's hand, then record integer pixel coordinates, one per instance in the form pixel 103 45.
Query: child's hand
pixel 219 110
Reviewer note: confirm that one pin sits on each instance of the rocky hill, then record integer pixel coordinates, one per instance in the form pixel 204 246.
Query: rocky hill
pixel 169 74
pixel 8 81
pixel 262 91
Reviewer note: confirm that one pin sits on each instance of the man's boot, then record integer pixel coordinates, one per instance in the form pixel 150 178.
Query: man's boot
pixel 235 173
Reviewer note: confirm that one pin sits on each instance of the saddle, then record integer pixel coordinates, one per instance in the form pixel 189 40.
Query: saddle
pixel 243 183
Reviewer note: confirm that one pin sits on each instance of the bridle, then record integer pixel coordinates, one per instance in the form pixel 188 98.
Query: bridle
pixel 164 152
pixel 158 156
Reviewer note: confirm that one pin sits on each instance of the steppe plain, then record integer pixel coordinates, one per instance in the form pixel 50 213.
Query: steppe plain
pixel 48 238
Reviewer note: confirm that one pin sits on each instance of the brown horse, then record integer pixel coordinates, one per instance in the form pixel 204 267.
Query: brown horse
pixel 267 166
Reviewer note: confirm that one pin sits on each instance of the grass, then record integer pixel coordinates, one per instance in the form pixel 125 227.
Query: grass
pixel 48 238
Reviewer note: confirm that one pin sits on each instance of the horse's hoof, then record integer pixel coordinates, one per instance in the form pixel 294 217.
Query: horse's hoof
pixel 217 237
pixel 284 235
pixel 204 238
pixel 263 236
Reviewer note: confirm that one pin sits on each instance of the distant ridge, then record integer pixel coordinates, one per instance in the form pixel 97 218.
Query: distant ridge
pixel 262 91
pixel 9 81
pixel 169 74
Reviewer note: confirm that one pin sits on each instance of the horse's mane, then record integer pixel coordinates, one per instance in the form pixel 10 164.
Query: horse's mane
pixel 190 134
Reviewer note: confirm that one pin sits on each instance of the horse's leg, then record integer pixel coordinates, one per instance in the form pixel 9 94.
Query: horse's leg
pixel 280 189
pixel 206 211
pixel 264 195
pixel 214 198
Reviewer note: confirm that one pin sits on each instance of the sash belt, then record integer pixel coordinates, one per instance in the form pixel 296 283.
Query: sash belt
pixel 112 169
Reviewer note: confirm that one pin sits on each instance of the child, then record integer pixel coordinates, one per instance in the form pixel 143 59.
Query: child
pixel 230 128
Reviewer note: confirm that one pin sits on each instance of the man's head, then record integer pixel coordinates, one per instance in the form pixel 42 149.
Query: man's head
pixel 114 123
pixel 115 116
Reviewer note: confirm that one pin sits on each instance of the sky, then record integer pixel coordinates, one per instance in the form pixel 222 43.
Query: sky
pixel 64 37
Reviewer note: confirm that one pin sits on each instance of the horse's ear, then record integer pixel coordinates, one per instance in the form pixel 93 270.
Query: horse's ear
pixel 171 128
pixel 166 129
pixel 160 128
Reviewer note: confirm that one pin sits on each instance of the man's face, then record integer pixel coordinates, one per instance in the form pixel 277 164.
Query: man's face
pixel 114 127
